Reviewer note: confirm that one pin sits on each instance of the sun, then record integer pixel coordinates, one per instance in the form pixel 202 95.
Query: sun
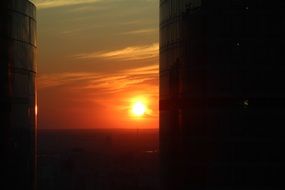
pixel 138 109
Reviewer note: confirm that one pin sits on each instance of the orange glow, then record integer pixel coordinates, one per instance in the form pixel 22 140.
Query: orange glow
pixel 36 110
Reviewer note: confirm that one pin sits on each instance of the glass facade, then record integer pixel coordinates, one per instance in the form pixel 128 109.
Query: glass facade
pixel 172 59
pixel 18 93
pixel 220 93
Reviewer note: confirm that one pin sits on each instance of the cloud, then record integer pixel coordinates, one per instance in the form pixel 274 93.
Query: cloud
pixel 44 4
pixel 59 79
pixel 142 31
pixel 125 54
pixel 151 69
pixel 103 83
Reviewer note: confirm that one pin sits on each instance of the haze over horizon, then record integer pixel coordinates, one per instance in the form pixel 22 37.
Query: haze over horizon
pixel 95 57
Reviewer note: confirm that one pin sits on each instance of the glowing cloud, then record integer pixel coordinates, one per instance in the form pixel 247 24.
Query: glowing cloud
pixel 142 31
pixel 104 82
pixel 126 54
pixel 43 4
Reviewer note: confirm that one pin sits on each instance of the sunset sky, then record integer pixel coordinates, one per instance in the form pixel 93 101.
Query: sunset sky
pixel 95 59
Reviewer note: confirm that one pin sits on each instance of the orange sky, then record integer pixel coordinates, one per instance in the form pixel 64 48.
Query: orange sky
pixel 95 56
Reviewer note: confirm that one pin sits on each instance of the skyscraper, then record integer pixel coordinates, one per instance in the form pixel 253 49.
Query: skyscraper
pixel 221 98
pixel 18 94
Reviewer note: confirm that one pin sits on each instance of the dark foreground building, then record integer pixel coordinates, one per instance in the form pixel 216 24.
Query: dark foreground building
pixel 222 101
pixel 17 94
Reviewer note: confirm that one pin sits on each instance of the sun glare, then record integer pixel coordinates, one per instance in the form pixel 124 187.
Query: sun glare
pixel 138 109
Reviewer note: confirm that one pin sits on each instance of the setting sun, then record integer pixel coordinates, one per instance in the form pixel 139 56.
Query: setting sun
pixel 138 109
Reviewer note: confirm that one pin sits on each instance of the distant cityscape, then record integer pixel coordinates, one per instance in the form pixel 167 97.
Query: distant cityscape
pixel 98 159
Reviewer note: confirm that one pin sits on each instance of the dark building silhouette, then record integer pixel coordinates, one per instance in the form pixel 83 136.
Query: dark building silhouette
pixel 222 99
pixel 17 94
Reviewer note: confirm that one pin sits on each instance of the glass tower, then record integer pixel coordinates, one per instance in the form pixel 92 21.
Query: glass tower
pixel 18 93
pixel 221 102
